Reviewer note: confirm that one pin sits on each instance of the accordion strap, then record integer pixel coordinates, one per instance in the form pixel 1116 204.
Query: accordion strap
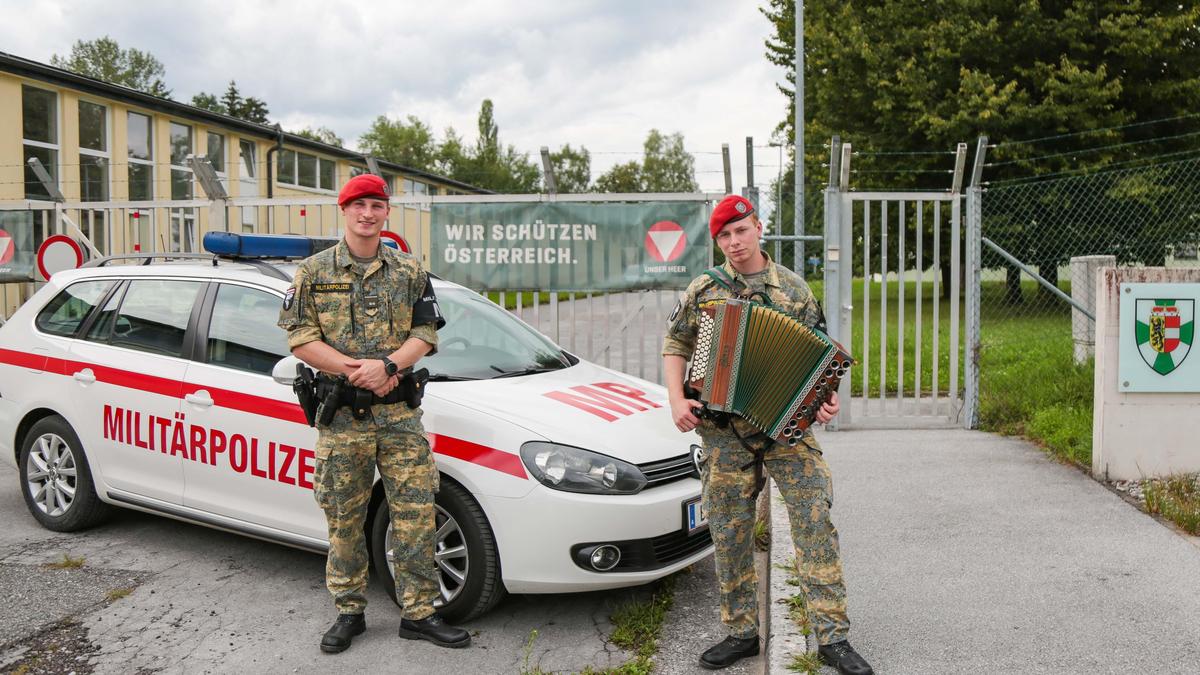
pixel 736 287
pixel 760 476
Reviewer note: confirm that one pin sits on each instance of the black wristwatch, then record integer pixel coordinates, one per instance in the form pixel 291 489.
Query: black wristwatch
pixel 389 367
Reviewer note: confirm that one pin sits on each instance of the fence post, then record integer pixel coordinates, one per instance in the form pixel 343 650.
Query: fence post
pixel 970 415
pixel 832 276
pixel 973 261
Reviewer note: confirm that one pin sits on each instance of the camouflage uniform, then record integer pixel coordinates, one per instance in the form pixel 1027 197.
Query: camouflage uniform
pixel 366 311
pixel 800 472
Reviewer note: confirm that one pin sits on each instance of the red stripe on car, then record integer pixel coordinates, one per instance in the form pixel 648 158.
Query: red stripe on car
pixel 458 448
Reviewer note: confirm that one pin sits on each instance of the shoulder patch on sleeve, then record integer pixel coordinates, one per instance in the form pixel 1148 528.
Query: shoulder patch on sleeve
pixel 288 298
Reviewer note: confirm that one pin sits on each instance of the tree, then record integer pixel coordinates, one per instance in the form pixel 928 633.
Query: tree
pixel 490 164
pixel 103 59
pixel 625 177
pixel 408 143
pixel 233 104
pixel 323 135
pixel 208 102
pixel 894 76
pixel 665 167
pixel 572 169
pixel 231 100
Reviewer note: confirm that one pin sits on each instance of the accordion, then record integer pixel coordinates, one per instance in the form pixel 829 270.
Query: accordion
pixel 758 362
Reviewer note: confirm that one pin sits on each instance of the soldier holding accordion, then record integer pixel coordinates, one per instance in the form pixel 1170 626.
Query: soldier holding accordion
pixel 736 454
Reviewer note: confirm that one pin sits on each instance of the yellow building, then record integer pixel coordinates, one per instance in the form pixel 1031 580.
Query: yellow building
pixel 119 158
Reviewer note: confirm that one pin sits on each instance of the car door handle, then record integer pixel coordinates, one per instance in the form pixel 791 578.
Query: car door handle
pixel 86 376
pixel 200 398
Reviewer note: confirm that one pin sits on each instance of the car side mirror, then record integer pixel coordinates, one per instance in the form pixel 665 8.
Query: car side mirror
pixel 284 372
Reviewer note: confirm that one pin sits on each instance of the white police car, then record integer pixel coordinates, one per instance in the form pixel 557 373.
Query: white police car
pixel 150 387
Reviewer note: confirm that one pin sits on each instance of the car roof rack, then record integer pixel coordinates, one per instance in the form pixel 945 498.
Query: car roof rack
pixel 256 250
pixel 262 266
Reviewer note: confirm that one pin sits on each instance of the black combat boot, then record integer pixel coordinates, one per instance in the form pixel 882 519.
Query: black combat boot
pixel 728 652
pixel 342 632
pixel 436 630
pixel 842 656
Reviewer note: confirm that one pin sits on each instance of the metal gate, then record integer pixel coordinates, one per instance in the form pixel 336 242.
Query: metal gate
pixel 894 288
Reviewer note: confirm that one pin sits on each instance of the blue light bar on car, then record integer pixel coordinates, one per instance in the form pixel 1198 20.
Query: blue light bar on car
pixel 237 245
pixel 265 245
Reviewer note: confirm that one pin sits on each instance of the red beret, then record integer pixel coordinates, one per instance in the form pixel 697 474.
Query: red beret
pixel 364 185
pixel 731 209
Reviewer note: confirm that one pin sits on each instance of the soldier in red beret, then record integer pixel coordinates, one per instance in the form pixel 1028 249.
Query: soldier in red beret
pixel 732 446
pixel 363 314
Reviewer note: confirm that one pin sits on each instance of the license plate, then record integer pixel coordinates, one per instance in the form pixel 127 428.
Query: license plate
pixel 694 517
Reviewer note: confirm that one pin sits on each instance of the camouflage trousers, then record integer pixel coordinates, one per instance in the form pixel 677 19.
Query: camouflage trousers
pixel 804 482
pixel 348 453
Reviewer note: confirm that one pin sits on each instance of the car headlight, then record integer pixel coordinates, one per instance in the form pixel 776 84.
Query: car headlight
pixel 569 469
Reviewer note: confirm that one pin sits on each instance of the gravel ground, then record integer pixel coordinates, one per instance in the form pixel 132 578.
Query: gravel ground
pixel 693 625
pixel 38 619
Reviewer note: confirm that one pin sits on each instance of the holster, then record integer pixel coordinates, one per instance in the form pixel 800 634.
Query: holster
pixel 305 388
pixel 330 391
pixel 412 386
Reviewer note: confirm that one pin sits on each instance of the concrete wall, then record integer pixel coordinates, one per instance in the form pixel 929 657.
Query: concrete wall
pixel 1138 435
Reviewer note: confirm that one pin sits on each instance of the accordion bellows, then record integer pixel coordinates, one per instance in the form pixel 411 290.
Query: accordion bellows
pixel 758 362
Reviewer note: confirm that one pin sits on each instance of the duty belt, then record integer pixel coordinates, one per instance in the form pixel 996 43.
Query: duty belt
pixel 351 395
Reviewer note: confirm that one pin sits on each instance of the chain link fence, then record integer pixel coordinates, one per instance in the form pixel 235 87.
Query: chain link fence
pixel 1144 215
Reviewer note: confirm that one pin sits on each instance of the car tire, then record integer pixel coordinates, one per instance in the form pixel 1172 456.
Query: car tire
pixel 470 584
pixel 56 480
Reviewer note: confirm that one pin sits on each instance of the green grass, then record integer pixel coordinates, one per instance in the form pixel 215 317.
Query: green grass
pixel 1029 385
pixel 808 663
pixel 527 297
pixel 67 563
pixel 1177 499
pixel 118 593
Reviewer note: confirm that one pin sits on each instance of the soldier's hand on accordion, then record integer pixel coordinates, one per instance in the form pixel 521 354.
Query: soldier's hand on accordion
pixel 829 409
pixel 684 411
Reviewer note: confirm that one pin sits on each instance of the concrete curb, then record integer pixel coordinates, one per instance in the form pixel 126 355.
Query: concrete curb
pixel 762 569
pixel 784 637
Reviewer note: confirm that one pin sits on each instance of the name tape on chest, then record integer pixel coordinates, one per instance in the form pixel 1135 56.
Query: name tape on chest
pixel 343 287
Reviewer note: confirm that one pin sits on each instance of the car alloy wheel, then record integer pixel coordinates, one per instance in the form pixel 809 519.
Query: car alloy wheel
pixel 449 552
pixel 56 480
pixel 465 554
pixel 51 474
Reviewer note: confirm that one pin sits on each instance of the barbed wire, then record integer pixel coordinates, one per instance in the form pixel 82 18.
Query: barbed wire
pixel 883 153
pixel 1101 169
pixel 901 170
pixel 1089 150
pixel 1093 131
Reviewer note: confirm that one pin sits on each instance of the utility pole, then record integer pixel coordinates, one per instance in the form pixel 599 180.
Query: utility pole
pixel 798 192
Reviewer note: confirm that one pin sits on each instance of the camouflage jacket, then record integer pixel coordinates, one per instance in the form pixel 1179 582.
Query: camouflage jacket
pixel 787 291
pixel 364 316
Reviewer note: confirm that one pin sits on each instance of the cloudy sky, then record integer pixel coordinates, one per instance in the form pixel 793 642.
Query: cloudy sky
pixel 596 73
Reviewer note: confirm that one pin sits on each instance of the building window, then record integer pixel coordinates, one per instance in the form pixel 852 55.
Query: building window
pixel 216 152
pixel 183 221
pixel 141 157
pixel 328 175
pixel 39 112
pixel 94 156
pixel 415 188
pixel 304 170
pixel 181 173
pixel 248 167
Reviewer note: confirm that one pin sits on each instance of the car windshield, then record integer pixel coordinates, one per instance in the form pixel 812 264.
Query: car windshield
pixel 483 341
